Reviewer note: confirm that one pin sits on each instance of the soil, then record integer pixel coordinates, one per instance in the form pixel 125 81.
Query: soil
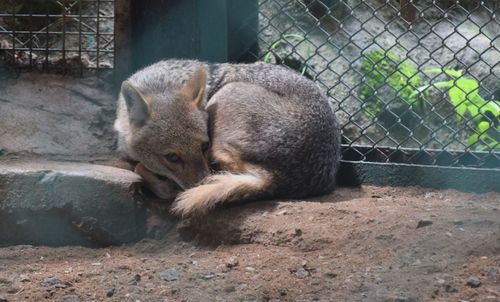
pixel 358 244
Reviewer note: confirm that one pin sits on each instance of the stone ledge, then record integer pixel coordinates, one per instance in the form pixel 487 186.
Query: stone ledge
pixel 59 203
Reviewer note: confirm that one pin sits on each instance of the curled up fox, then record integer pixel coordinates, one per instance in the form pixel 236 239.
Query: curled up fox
pixel 207 134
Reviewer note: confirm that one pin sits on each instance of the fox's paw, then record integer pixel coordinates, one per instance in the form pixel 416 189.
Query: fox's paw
pixel 194 201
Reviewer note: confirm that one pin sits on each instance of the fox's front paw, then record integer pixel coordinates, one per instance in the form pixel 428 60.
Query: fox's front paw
pixel 163 188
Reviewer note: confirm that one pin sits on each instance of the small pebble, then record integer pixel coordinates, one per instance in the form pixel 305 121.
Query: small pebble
pixel 111 292
pixel 473 281
pixel 493 272
pixel 424 223
pixel 60 285
pixel 250 269
pixel 232 261
pixel 282 212
pixel 136 279
pixel 50 281
pixel 301 273
pixel 70 298
pixel 229 289
pixel 209 276
pixel 330 275
pixel 450 289
pixel 24 278
pixel 169 275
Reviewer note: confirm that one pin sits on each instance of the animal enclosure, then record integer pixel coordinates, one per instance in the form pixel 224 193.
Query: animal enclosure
pixel 62 34
pixel 413 83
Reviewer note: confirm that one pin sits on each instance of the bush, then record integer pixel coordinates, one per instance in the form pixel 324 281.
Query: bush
pixel 395 88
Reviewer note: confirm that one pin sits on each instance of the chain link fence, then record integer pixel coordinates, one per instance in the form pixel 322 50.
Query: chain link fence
pixel 62 34
pixel 413 82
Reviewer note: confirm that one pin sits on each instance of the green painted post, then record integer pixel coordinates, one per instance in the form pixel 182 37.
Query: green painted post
pixel 210 30
pixel 242 20
pixel 212 27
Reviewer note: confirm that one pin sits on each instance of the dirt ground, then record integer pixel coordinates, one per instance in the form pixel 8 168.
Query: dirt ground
pixel 361 244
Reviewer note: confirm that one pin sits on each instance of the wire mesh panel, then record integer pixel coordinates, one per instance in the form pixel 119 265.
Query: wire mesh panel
pixel 414 82
pixel 68 34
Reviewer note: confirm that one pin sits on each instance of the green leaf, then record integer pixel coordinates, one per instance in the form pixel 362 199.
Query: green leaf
pixel 483 126
pixel 474 112
pixel 472 139
pixel 469 88
pixel 445 84
pixel 457 96
pixel 451 72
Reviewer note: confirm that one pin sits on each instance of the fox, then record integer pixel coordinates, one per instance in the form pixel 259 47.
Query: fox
pixel 206 134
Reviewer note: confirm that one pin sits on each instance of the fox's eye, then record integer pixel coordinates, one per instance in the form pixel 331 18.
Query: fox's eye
pixel 173 158
pixel 204 147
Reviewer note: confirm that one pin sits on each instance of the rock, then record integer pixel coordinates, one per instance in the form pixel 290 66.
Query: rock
pixel 229 289
pixel 51 281
pixel 209 276
pixel 136 279
pixel 398 299
pixel 56 115
pixel 424 223
pixel 301 273
pixel 473 282
pixel 24 278
pixel 170 274
pixel 3 299
pixel 150 285
pixel 440 281
pixel 70 298
pixel 330 275
pixel 111 292
pixel 493 272
pixel 249 269
pixel 232 261
pixel 76 203
pixel 282 212
pixel 450 289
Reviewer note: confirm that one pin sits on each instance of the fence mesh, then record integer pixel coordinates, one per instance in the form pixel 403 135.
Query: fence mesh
pixel 62 34
pixel 414 82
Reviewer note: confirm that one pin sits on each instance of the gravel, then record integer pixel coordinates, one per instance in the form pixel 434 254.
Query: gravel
pixel 473 281
pixel 170 274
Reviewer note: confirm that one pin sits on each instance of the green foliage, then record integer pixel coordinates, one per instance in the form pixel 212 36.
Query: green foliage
pixel 463 93
pixel 384 69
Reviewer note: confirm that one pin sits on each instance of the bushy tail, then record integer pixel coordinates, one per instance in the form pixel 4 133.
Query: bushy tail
pixel 221 188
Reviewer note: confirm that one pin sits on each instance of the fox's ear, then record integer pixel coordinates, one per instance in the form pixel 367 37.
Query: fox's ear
pixel 194 89
pixel 137 107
